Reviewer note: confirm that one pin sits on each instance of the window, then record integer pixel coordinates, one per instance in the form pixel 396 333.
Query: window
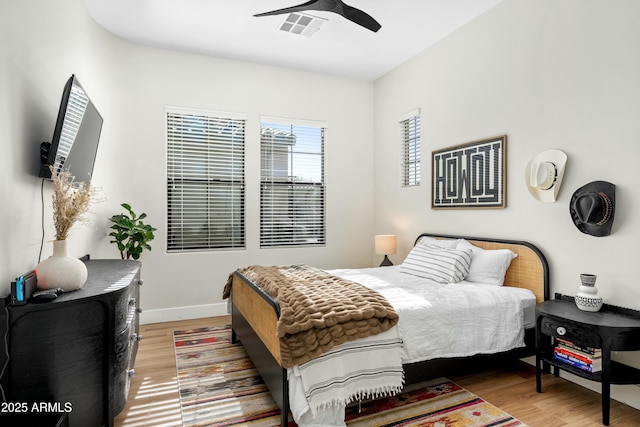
pixel 410 127
pixel 205 181
pixel 292 189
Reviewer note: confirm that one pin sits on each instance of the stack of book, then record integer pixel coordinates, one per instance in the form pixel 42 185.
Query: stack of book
pixel 588 359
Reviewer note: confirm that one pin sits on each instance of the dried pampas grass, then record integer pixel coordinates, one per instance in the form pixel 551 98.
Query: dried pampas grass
pixel 70 201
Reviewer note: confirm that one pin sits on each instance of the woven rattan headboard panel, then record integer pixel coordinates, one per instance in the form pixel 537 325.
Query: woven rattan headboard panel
pixel 528 270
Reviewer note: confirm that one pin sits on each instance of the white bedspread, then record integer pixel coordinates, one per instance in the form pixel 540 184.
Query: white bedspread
pixel 436 320
pixel 447 320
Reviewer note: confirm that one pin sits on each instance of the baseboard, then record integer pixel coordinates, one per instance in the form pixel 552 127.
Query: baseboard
pixel 183 313
pixel 627 394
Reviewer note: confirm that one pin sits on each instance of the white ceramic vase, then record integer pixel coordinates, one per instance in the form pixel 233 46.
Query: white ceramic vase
pixel 587 298
pixel 60 270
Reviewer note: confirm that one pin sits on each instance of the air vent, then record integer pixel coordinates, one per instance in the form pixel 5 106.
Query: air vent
pixel 303 24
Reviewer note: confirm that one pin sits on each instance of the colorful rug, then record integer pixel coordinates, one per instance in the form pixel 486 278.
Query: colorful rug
pixel 219 386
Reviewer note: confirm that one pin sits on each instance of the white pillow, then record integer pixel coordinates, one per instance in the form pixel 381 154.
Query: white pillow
pixel 442 265
pixel 441 243
pixel 487 266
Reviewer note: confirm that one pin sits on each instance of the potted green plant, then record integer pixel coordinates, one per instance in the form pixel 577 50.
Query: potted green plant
pixel 131 234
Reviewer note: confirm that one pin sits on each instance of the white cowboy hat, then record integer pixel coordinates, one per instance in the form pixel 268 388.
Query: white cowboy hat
pixel 544 174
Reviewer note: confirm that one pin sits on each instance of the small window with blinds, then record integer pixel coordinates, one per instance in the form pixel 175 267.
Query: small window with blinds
pixel 205 181
pixel 410 128
pixel 292 187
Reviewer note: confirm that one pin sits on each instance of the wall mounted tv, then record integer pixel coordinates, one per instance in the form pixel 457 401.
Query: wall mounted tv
pixel 75 137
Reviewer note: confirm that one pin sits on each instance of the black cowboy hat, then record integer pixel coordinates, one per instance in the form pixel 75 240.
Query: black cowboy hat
pixel 593 207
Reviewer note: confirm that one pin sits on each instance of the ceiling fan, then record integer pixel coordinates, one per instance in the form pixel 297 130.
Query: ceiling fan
pixel 335 6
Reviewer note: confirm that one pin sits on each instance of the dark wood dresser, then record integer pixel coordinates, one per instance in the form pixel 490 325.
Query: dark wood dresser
pixel 76 353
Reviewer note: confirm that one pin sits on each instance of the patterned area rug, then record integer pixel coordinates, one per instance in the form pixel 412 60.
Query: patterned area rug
pixel 220 387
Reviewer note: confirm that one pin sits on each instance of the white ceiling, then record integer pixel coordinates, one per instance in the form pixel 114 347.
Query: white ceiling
pixel 228 29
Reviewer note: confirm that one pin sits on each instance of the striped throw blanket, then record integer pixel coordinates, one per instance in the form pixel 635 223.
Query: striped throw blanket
pixel 357 370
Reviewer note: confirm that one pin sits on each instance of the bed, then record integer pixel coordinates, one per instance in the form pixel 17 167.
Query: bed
pixel 255 316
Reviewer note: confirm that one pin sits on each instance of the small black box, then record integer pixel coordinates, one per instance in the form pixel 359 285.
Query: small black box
pixel 23 287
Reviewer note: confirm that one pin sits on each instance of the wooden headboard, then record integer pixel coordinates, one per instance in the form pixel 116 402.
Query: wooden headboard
pixel 528 270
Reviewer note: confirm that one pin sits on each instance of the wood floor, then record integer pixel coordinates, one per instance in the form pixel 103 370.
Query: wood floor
pixel 154 402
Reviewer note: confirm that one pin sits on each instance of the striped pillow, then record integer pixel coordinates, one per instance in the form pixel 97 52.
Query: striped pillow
pixel 442 265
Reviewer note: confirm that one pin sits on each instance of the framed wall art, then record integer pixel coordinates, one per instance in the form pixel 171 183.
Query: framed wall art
pixel 470 176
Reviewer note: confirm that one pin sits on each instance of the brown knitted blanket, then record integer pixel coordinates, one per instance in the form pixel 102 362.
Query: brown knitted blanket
pixel 318 311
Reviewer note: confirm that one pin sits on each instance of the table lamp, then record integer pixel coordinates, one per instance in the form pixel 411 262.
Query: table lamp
pixel 385 245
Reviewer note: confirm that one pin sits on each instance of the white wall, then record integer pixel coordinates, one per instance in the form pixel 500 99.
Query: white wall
pixel 45 42
pixel 548 74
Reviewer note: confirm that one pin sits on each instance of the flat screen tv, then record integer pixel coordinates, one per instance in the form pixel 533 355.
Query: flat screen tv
pixel 75 137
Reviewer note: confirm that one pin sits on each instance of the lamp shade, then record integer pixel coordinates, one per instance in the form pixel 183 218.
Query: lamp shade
pixel 385 244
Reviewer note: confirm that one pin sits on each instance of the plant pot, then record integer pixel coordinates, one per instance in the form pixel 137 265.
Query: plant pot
pixel 60 270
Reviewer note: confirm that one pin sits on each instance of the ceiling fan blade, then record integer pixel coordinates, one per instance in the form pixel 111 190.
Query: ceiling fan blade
pixel 310 5
pixel 336 6
pixel 360 18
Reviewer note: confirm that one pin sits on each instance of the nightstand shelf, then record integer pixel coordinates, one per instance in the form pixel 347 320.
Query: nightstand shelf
pixel 620 374
pixel 610 329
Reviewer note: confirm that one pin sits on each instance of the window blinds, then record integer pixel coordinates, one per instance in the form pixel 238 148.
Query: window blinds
pixel 292 187
pixel 205 181
pixel 410 128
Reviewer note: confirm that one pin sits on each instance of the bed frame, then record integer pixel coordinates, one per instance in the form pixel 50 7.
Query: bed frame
pixel 254 315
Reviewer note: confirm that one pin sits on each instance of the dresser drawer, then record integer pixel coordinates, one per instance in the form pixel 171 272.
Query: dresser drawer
pixel 126 299
pixel 123 366
pixel 570 331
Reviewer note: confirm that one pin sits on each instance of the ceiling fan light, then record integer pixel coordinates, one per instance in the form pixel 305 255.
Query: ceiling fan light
pixel 292 17
pixel 309 31
pixel 305 20
pixel 301 24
